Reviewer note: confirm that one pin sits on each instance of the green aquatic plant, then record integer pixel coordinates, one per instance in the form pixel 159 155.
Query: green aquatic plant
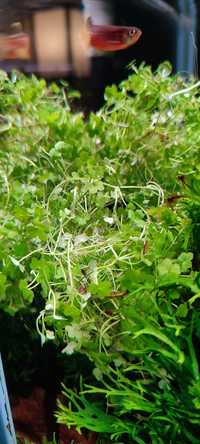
pixel 100 221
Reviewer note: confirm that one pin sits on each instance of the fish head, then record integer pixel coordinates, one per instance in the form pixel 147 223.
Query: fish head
pixel 131 35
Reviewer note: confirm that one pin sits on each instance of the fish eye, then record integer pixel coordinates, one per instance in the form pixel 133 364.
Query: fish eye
pixel 131 32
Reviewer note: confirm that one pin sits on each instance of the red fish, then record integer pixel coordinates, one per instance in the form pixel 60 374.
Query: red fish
pixel 15 46
pixel 100 37
pixel 113 38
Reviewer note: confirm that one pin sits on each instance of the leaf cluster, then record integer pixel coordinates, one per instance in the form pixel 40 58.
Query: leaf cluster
pixel 101 219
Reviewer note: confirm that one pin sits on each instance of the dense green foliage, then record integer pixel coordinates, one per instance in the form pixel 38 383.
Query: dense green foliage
pixel 101 218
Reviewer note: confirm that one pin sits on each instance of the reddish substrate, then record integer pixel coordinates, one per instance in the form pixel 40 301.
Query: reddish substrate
pixel 34 420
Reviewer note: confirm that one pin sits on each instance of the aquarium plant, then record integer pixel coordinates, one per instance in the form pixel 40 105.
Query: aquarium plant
pixel 100 221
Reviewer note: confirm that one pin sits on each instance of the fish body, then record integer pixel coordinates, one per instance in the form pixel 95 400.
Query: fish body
pixel 113 38
pixel 15 46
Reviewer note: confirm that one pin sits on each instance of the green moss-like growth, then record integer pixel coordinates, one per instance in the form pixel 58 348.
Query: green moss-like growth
pixel 101 219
